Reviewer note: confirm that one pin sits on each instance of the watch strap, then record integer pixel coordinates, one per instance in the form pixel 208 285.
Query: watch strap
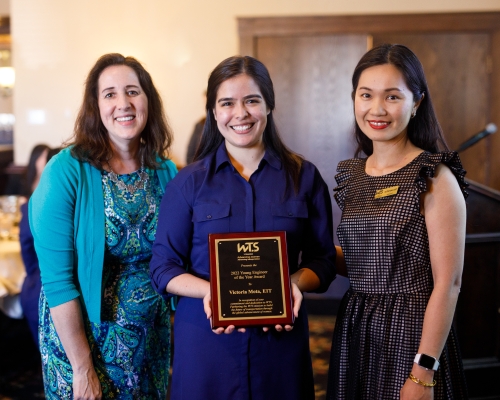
pixel 426 361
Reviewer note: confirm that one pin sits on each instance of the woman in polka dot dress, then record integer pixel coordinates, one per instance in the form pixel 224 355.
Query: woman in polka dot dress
pixel 402 234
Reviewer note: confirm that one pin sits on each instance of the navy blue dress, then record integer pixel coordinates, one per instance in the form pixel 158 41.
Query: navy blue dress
pixel 30 292
pixel 210 196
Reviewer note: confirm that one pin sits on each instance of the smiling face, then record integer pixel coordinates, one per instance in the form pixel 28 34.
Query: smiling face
pixel 383 104
pixel 123 105
pixel 241 112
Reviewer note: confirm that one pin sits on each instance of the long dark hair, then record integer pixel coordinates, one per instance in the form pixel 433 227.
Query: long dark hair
pixel 424 130
pixel 212 138
pixel 31 172
pixel 90 140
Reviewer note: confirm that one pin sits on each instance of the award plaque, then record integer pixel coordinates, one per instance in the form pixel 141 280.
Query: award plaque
pixel 249 279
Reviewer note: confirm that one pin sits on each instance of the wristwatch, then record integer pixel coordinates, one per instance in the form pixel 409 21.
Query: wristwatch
pixel 427 362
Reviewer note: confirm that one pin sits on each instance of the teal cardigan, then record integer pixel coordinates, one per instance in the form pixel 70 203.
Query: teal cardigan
pixel 66 214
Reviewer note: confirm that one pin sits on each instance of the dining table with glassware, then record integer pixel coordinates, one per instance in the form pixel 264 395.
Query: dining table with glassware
pixel 12 271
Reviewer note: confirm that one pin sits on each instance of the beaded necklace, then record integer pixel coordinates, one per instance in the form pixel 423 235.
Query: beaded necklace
pixel 143 180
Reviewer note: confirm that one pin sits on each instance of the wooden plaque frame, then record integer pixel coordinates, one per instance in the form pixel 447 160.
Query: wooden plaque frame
pixel 250 279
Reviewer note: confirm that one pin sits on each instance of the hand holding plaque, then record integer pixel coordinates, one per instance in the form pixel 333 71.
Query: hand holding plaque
pixel 249 279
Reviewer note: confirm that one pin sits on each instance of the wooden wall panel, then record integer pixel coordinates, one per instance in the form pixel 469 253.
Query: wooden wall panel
pixel 495 110
pixel 455 65
pixel 477 317
pixel 370 23
pixel 247 46
pixel 311 77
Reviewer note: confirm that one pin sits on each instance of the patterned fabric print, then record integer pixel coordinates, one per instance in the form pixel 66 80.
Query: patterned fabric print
pixel 386 249
pixel 130 347
pixel 130 219
pixel 57 371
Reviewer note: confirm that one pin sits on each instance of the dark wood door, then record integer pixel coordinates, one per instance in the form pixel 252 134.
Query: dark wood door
pixel 313 90
pixel 313 111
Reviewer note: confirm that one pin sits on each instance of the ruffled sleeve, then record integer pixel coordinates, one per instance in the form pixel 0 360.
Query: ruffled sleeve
pixel 344 173
pixel 428 167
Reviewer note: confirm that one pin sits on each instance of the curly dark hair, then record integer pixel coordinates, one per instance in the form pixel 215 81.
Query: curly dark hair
pixel 91 141
pixel 424 130
pixel 212 138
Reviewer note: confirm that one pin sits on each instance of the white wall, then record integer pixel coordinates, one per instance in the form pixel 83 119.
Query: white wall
pixel 55 43
pixel 5 102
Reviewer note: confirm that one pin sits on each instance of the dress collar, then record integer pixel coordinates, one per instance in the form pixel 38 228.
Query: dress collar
pixel 222 158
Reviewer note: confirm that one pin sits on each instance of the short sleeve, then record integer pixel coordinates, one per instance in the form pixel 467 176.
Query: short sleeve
pixel 428 167
pixel 344 172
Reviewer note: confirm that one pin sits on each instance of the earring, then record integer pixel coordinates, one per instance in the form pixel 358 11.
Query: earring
pixel 414 113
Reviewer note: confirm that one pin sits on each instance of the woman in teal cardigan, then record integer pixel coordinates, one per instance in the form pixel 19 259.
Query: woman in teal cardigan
pixel 104 332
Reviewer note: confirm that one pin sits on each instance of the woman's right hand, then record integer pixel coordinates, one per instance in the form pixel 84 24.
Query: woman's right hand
pixel 86 385
pixel 69 325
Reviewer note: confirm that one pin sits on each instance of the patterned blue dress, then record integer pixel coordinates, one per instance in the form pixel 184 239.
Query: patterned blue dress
pixel 131 345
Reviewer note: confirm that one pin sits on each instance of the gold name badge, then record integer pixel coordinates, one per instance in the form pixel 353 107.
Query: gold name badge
pixel 390 191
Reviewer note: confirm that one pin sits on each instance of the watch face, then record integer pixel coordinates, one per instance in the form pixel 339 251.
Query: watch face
pixel 426 361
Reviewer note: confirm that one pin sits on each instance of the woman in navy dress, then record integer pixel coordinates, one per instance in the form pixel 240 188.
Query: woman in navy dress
pixel 243 180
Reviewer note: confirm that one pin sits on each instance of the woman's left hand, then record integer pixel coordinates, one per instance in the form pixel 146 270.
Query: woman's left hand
pixel 297 297
pixel 414 391
pixel 208 310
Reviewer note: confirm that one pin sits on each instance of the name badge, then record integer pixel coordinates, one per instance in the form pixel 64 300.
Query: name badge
pixel 390 191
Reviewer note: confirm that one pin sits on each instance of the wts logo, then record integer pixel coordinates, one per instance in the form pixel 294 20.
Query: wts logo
pixel 248 247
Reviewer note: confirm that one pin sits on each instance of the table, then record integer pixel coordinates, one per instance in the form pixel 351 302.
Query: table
pixel 12 274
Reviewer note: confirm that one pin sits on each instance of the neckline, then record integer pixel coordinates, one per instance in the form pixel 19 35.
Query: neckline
pixel 137 172
pixel 393 172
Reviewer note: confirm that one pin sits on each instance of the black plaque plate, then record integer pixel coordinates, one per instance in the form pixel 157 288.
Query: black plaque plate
pixel 249 279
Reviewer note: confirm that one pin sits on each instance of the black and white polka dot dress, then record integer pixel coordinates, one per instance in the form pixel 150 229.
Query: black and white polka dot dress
pixel 386 249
